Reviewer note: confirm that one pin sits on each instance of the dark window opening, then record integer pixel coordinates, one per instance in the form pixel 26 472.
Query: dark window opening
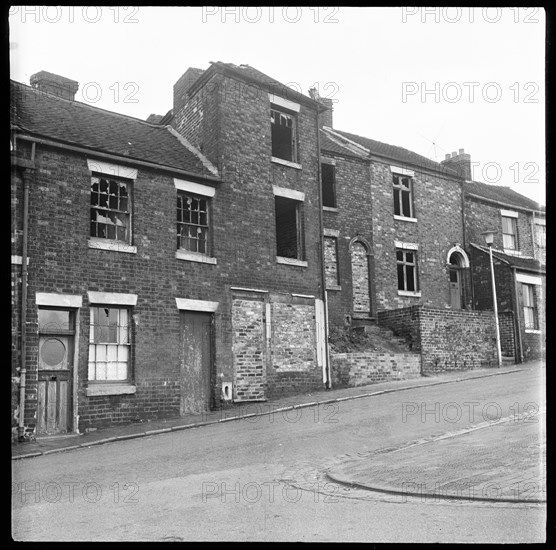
pixel 283 133
pixel 407 270
pixel 328 180
pixel 288 228
pixel 403 202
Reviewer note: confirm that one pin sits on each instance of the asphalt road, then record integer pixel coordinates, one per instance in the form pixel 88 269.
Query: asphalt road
pixel 264 479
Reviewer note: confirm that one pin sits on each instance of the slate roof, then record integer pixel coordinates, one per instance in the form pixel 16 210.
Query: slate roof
pixel 502 194
pixel 405 156
pixel 331 145
pixel 528 264
pixel 75 123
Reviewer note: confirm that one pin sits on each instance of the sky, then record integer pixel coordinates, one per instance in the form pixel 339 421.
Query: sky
pixel 432 80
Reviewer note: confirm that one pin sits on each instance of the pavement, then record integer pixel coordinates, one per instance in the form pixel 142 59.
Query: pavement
pixel 56 444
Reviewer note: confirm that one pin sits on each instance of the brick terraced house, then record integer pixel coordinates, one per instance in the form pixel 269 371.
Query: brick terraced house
pixel 199 258
pixel 519 256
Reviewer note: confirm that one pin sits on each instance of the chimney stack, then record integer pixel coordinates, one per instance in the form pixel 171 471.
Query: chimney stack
pixel 54 84
pixel 326 117
pixel 460 162
pixel 181 87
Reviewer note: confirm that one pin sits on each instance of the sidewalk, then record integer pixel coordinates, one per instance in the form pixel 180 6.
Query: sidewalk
pixel 56 444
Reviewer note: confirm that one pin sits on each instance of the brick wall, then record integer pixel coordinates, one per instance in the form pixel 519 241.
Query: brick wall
pixel 447 339
pixel 507 333
pixel 360 369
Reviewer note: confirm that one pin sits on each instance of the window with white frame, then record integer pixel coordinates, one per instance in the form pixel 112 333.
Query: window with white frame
pixel 403 195
pixel 407 270
pixel 540 235
pixel 111 208
pixel 283 134
pixel 529 307
pixel 193 223
pixel 509 233
pixel 109 344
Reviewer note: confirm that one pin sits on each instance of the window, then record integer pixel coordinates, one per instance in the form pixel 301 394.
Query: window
pixel 109 344
pixel 407 270
pixel 403 200
pixel 110 209
pixel 529 307
pixel 540 235
pixel 283 131
pixel 289 231
pixel 509 233
pixel 328 181
pixel 331 261
pixel 192 223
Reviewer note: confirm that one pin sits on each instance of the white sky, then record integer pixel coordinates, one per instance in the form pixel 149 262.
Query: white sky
pixel 128 59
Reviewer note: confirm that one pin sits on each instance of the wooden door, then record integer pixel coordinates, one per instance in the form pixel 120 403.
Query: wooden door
pixel 455 288
pixel 55 371
pixel 196 362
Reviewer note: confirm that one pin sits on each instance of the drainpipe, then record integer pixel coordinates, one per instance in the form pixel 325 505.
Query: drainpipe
pixel 23 369
pixel 464 244
pixel 328 383
pixel 517 331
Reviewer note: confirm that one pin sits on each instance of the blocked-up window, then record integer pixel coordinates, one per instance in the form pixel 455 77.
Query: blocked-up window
pixel 530 307
pixel 192 223
pixel 109 344
pixel 283 132
pixel 407 270
pixel 331 261
pixel 509 233
pixel 540 235
pixel 289 228
pixel 403 195
pixel 111 209
pixel 328 180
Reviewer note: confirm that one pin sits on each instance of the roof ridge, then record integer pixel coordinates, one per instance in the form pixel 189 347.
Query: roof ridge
pixel 82 104
pixel 183 141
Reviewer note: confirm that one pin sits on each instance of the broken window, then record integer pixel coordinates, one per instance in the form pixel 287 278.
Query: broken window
pixel 193 223
pixel 529 307
pixel 110 209
pixel 109 344
pixel 289 242
pixel 509 233
pixel 283 133
pixel 403 200
pixel 407 270
pixel 331 261
pixel 328 181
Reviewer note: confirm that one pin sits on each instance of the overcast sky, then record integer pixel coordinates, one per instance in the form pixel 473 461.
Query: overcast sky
pixel 432 80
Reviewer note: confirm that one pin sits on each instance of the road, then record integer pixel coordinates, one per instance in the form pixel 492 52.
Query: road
pixel 263 478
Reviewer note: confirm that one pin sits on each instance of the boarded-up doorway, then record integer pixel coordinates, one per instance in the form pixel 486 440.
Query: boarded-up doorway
pixel 196 362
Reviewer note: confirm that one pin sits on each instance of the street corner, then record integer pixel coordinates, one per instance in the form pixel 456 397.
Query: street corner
pixel 502 462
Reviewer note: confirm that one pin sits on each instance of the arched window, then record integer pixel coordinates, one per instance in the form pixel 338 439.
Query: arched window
pixel 360 278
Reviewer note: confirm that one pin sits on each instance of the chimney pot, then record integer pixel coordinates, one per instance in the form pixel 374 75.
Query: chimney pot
pixel 447 156
pixel 454 154
pixel 461 151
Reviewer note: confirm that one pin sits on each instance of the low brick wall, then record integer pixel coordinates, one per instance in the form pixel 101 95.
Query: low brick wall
pixel 448 339
pixel 360 369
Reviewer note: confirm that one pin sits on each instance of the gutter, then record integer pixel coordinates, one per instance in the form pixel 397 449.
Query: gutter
pixel 24 275
pixel 328 383
pixel 507 205
pixel 118 158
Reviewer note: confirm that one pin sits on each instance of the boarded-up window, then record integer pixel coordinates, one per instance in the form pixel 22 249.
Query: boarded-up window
pixel 360 278
pixel 331 261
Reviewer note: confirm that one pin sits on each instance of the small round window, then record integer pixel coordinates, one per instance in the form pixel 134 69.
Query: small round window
pixel 53 352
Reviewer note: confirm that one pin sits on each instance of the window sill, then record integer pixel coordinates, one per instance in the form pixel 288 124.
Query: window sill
pixel 194 257
pixel 115 246
pixel 291 261
pixel 532 331
pixel 409 293
pixel 405 219
pixel 286 163
pixel 330 209
pixel 335 287
pixel 110 389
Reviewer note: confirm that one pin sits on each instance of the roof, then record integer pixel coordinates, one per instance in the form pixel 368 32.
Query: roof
pixel 502 194
pixel 75 123
pixel 404 156
pixel 330 144
pixel 527 264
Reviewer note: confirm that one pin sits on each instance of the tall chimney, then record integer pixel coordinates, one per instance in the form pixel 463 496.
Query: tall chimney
pixel 460 162
pixel 54 84
pixel 326 117
pixel 181 87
